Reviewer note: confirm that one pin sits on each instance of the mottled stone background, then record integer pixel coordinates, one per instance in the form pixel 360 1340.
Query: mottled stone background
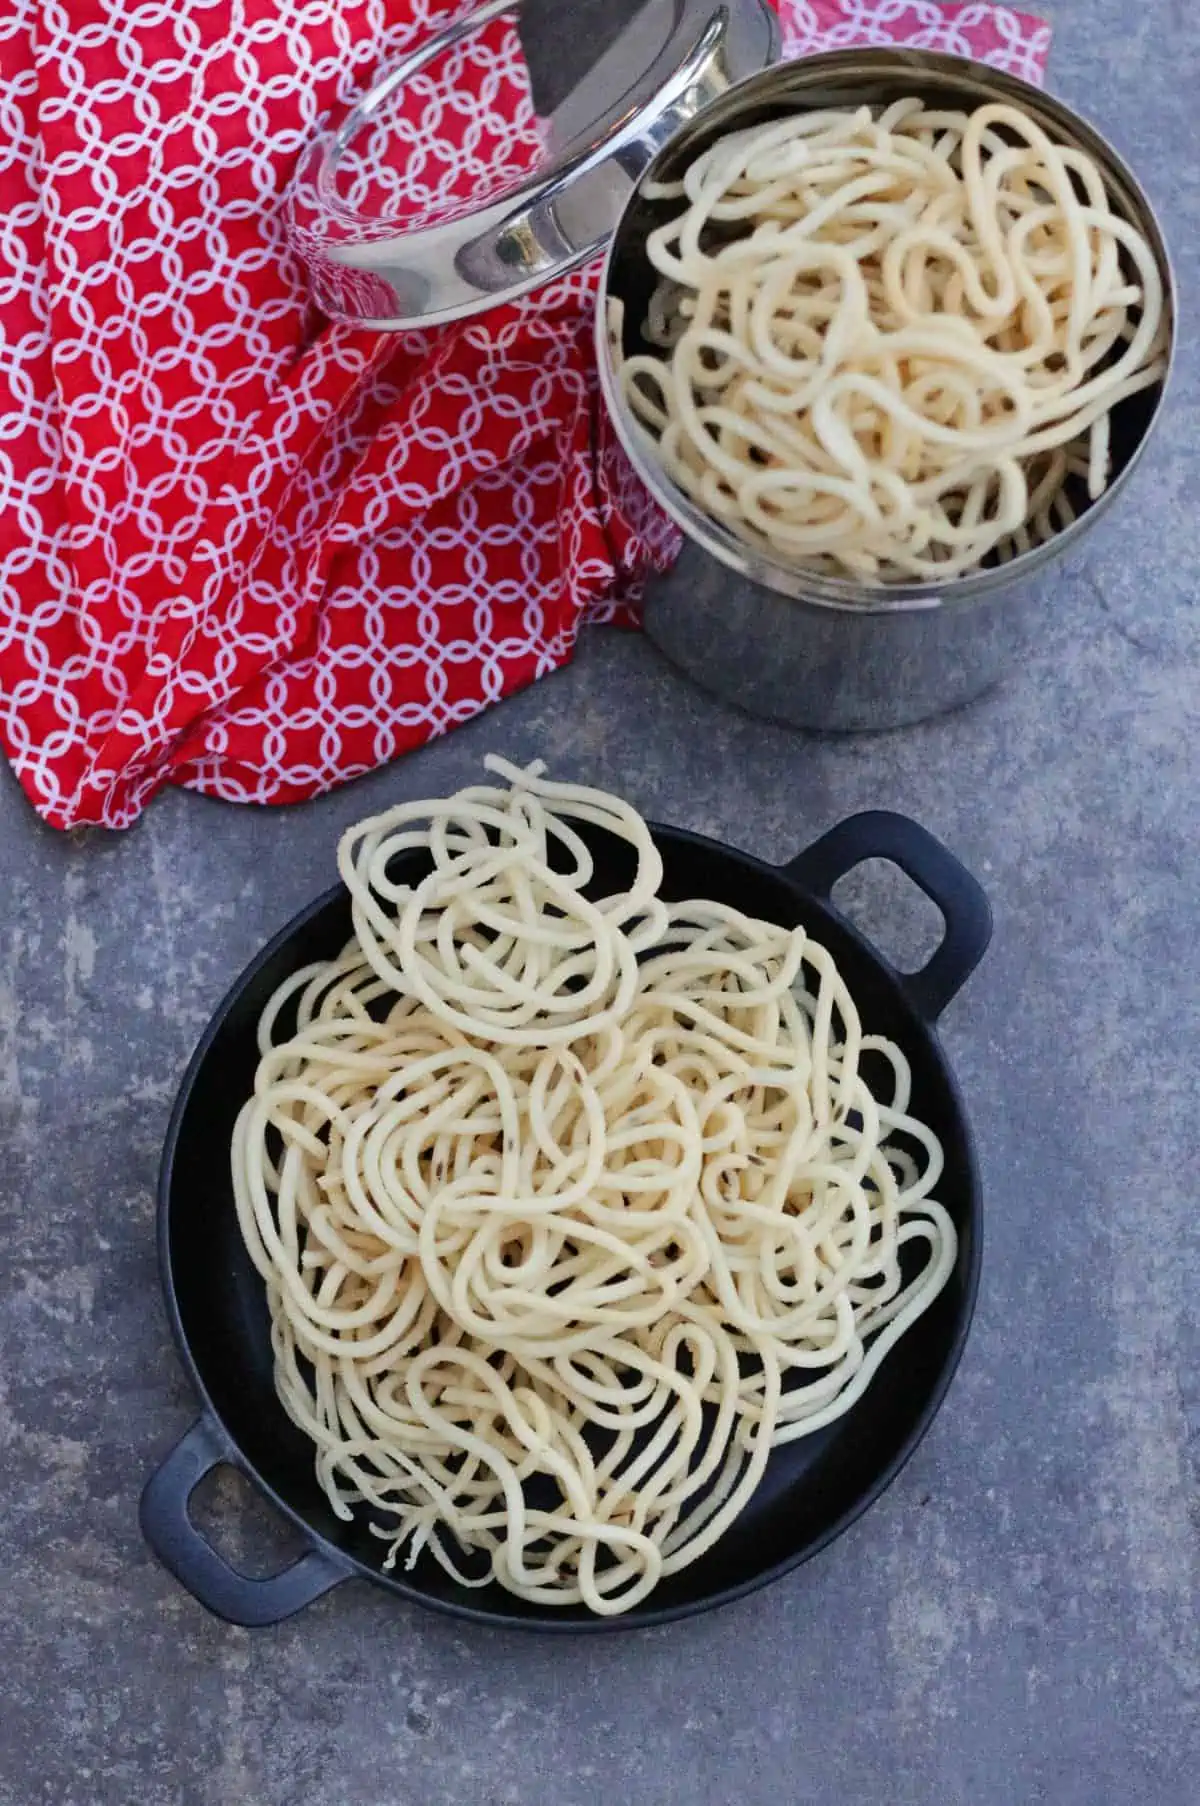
pixel 1016 1621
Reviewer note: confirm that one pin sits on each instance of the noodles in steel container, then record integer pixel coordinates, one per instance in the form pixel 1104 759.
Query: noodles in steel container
pixel 888 341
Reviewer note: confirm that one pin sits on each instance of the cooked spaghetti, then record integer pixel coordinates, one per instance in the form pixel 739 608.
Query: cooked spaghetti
pixel 888 346
pixel 570 1210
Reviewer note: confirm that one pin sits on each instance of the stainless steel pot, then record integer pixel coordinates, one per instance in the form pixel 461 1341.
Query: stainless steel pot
pixel 814 651
pixel 821 652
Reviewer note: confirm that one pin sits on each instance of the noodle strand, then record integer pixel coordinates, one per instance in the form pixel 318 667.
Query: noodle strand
pixel 570 1210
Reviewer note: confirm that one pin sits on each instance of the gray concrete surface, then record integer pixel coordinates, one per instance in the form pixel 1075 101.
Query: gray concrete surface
pixel 1016 1621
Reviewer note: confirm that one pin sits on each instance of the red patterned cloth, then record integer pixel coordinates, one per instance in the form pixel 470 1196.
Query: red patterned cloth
pixel 241 549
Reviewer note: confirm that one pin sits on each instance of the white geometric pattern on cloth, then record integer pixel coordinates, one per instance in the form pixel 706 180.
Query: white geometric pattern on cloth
pixel 1007 40
pixel 241 549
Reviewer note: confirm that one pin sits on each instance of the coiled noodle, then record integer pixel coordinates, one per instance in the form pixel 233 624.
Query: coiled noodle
pixel 570 1210
pixel 888 347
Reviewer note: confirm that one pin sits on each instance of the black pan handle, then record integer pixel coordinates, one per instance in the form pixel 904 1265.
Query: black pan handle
pixel 878 834
pixel 174 1538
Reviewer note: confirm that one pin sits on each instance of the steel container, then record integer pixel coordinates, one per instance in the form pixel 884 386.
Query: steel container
pixel 792 645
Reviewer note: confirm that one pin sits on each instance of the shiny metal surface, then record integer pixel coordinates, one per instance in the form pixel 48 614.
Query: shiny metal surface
pixel 673 58
pixel 795 646
pixel 833 670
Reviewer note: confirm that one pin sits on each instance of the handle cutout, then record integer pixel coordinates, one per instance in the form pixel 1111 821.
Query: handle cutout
pixel 894 914
pixel 241 1527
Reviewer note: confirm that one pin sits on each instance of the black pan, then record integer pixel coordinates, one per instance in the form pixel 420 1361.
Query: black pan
pixel 813 1489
